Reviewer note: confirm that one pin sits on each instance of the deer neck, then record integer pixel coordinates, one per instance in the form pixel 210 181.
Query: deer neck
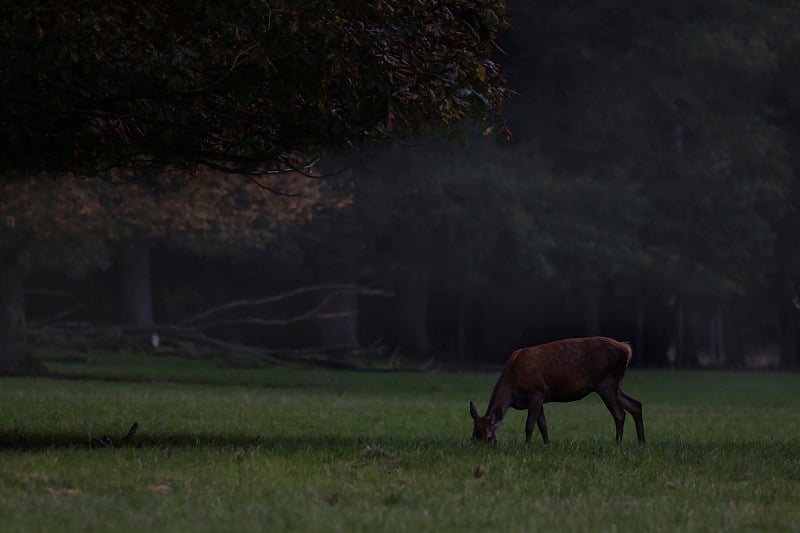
pixel 501 397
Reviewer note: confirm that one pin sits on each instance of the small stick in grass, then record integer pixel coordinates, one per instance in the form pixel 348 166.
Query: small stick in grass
pixel 108 442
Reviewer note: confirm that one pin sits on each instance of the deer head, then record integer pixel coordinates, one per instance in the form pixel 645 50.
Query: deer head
pixel 485 428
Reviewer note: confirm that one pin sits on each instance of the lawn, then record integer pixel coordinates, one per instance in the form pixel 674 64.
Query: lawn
pixel 276 449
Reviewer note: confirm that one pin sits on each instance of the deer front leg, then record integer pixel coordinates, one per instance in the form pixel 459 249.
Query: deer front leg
pixel 542 423
pixel 535 414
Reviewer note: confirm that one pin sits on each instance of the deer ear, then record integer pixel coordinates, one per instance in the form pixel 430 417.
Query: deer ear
pixel 473 411
pixel 497 415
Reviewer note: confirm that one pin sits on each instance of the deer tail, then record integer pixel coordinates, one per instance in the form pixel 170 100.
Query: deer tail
pixel 628 350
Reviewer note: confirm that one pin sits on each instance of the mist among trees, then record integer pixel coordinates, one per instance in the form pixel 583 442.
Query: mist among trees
pixel 649 189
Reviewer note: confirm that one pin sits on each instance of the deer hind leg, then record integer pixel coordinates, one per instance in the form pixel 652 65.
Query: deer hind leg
pixel 634 407
pixel 535 416
pixel 608 393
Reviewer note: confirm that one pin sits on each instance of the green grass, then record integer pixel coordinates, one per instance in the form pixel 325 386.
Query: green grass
pixel 278 449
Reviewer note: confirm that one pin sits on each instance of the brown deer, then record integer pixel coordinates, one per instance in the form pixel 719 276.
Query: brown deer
pixel 560 371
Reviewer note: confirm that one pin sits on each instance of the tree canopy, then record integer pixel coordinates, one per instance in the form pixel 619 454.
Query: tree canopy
pixel 654 160
pixel 204 207
pixel 241 86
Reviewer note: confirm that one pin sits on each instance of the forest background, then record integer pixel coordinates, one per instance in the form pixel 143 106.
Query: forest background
pixel 649 191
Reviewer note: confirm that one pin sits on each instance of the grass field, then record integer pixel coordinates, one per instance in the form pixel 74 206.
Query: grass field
pixel 278 449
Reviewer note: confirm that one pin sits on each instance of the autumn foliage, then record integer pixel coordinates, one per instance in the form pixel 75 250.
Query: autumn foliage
pixel 93 86
pixel 207 206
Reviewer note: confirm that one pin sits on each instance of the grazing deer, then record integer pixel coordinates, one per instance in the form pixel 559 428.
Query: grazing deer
pixel 560 371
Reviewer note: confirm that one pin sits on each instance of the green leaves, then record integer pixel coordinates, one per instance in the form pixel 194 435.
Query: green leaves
pixel 237 85
pixel 683 97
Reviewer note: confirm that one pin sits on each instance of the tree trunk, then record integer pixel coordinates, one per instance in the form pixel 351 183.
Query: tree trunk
pixel 137 293
pixel 790 350
pixel 338 321
pixel 734 352
pixel 14 358
pixel 504 318
pixel 591 313
pixel 412 311
pixel 790 325
pixel 461 344
pixel 680 334
pixel 639 353
pixel 716 340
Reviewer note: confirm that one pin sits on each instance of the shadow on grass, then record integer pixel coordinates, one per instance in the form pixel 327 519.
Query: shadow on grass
pixel 677 450
pixel 285 444
pixel 173 380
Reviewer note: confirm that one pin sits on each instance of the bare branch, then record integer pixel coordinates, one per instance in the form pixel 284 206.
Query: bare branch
pixel 272 322
pixel 270 189
pixel 48 292
pixel 75 306
pixel 358 289
pixel 196 336
pixel 195 330
pixel 71 310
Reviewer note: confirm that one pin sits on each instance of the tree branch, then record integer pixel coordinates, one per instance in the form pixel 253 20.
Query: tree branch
pixel 349 288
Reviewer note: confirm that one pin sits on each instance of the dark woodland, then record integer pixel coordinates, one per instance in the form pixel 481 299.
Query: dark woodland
pixel 377 205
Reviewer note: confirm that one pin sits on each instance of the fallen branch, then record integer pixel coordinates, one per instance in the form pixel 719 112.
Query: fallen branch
pixel 339 288
pixel 196 329
pixel 192 334
pixel 270 322
pixel 71 310
pixel 77 306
